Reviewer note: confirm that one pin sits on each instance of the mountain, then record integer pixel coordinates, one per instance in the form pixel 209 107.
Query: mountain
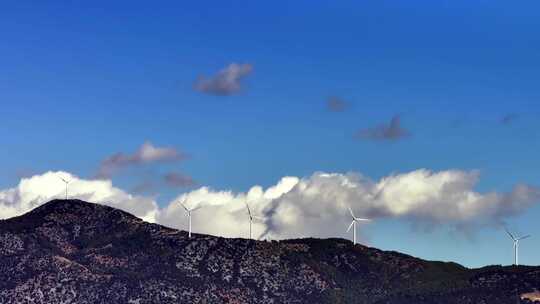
pixel 70 251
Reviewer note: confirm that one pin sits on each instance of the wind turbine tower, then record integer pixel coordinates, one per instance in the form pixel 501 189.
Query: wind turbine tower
pixel 516 245
pixel 353 224
pixel 66 182
pixel 188 211
pixel 251 218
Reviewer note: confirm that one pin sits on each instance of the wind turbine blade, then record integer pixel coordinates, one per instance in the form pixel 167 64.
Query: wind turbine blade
pixel 249 211
pixel 350 226
pixel 511 236
pixel 259 218
pixel 524 237
pixel 182 204
pixel 352 214
pixel 196 208
pixel 362 219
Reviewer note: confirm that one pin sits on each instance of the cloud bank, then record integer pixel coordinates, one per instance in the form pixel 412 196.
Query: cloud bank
pixel 315 205
pixel 226 82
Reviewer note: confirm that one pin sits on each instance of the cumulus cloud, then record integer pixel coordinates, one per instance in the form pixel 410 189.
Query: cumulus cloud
pixel 147 153
pixel 226 82
pixel 175 179
pixel 315 205
pixel 336 104
pixel 39 189
pixel 224 213
pixel 385 132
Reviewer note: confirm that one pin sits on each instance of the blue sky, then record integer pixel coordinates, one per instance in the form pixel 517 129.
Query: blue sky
pixel 80 82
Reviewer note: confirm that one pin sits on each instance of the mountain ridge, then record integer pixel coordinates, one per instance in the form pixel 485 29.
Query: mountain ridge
pixel 71 250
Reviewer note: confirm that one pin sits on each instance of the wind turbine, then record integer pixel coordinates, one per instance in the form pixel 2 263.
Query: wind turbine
pixel 516 245
pixel 353 224
pixel 251 218
pixel 188 210
pixel 66 182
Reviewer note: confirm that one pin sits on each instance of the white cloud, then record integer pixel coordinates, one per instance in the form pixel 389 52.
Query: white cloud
pixel 317 205
pixel 224 213
pixel 311 206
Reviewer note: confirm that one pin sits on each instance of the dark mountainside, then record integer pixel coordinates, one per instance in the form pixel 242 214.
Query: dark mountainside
pixel 70 251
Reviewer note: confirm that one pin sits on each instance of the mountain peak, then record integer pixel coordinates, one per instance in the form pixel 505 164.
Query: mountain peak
pixel 70 213
pixel 72 206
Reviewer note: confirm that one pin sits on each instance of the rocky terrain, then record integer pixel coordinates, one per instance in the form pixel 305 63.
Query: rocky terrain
pixel 70 251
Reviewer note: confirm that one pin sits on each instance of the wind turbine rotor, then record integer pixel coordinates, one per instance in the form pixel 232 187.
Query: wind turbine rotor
pixel 357 218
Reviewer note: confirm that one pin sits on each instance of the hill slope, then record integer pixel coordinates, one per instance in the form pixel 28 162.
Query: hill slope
pixel 70 251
